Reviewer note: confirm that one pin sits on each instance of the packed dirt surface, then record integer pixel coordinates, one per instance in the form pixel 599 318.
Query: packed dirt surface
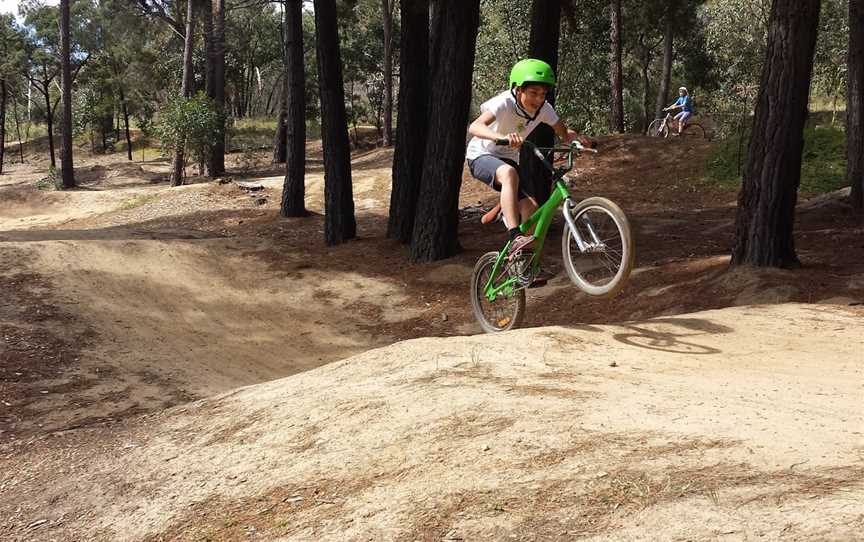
pixel 637 417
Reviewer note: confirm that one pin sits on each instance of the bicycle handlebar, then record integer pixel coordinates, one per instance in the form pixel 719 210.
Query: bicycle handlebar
pixel 556 172
pixel 531 146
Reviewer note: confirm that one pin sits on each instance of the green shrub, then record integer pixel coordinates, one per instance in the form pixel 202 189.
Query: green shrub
pixel 823 161
pixel 52 181
pixel 190 125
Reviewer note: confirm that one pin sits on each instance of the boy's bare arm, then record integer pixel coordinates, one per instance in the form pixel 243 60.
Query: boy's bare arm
pixel 567 135
pixel 480 128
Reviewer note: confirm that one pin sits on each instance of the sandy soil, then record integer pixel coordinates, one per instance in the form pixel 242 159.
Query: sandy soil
pixel 635 415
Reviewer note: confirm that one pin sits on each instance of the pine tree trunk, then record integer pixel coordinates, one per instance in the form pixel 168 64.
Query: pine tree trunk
pixel 293 189
pixel 545 34
pixel 413 119
pixel 216 84
pixel 339 222
pixel 388 71
pixel 616 117
pixel 67 172
pixel 766 204
pixel 185 89
pixel 855 103
pixel 455 25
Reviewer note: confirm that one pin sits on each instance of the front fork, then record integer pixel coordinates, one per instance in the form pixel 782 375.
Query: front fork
pixel 594 242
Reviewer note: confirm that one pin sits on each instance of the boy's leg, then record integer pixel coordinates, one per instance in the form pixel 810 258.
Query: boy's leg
pixel 507 176
pixel 527 206
pixel 502 174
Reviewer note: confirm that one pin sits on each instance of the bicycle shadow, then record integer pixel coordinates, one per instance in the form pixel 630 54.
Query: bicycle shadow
pixel 665 340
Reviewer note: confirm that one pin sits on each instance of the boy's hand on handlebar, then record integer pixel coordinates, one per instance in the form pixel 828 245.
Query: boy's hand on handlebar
pixel 515 140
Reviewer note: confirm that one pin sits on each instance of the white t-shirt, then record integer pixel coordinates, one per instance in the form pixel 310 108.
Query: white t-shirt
pixel 507 121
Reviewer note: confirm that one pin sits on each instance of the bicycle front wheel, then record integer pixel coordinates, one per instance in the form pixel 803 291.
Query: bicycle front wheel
pixel 599 255
pixel 507 309
pixel 658 129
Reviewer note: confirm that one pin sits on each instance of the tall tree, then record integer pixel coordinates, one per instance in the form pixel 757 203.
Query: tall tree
pixel 387 7
pixel 454 28
pixel 766 203
pixel 413 118
pixel 216 83
pixel 185 87
pixel 545 34
pixel 855 103
pixel 339 223
pixel 616 115
pixel 66 82
pixel 293 189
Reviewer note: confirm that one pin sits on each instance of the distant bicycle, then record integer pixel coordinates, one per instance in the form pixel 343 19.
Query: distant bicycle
pixel 663 127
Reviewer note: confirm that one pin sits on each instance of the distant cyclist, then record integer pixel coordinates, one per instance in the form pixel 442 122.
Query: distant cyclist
pixel 685 104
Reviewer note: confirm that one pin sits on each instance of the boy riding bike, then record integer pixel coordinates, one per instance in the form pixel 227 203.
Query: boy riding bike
pixel 513 115
pixel 685 104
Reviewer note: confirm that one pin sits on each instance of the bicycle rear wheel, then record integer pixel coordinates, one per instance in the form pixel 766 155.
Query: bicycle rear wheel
pixel 507 310
pixel 658 129
pixel 602 265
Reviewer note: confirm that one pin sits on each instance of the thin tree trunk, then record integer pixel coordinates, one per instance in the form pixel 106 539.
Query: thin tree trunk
pixel 339 222
pixel 49 120
pixel 616 117
pixel 766 204
pixel 413 118
pixel 280 139
pixel 666 77
pixel 3 97
pixel 855 104
pixel 387 6
pixel 293 189
pixel 216 85
pixel 646 89
pixel 185 88
pixel 455 25
pixel 125 110
pixel 18 128
pixel 66 84
pixel 545 35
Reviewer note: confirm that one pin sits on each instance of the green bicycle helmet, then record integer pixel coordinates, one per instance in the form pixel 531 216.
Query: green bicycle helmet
pixel 531 70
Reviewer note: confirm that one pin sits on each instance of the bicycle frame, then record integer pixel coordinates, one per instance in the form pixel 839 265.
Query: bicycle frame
pixel 541 219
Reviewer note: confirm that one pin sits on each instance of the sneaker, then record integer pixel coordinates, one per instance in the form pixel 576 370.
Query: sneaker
pixel 520 242
pixel 492 215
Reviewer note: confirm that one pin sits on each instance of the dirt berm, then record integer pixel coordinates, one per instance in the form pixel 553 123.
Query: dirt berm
pixel 736 424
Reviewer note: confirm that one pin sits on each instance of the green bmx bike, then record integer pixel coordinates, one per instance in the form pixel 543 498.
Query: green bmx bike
pixel 597 247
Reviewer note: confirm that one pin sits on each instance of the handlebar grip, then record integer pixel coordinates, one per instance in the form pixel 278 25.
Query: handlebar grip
pixel 502 142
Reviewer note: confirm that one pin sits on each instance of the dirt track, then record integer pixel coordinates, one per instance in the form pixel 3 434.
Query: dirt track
pixel 127 297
